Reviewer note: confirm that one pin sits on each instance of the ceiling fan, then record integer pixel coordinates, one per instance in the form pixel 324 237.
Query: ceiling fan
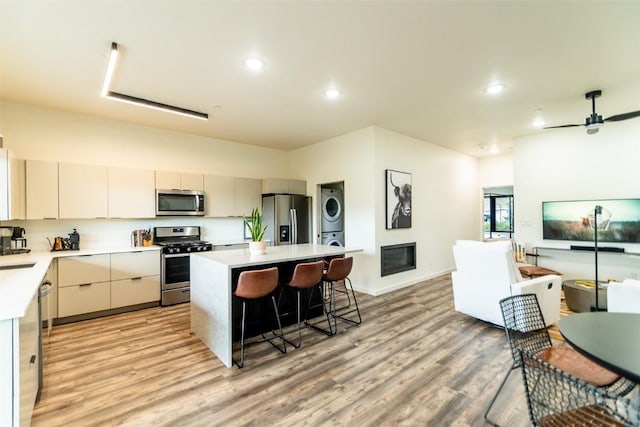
pixel 594 121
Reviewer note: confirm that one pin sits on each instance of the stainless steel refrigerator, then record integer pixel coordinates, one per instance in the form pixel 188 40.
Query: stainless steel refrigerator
pixel 288 219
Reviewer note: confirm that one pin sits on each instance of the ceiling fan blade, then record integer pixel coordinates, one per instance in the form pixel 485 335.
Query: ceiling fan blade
pixel 624 116
pixel 561 126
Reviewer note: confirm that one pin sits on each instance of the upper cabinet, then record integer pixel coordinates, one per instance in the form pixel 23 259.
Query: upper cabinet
pixel 168 180
pixel 229 196
pixel 248 194
pixel 131 193
pixel 284 186
pixel 83 191
pixel 12 183
pixel 219 196
pixel 42 189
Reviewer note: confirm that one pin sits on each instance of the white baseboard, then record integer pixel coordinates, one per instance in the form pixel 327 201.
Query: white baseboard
pixel 401 285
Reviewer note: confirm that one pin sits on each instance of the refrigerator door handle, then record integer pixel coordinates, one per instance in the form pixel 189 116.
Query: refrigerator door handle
pixel 294 226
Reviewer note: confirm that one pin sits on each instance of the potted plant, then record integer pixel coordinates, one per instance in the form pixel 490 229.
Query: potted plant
pixel 257 246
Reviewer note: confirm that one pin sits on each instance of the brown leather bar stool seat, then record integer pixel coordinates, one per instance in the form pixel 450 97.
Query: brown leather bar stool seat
pixel 253 285
pixel 307 275
pixel 337 278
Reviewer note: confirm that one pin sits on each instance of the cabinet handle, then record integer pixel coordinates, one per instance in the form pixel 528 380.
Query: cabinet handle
pixel 33 359
pixel 49 218
pixel 136 278
pixel 101 217
pixel 84 285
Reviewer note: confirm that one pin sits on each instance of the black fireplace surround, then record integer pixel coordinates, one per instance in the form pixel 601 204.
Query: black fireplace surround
pixel 397 258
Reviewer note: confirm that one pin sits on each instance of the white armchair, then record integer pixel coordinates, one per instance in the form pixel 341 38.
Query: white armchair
pixel 486 272
pixel 623 297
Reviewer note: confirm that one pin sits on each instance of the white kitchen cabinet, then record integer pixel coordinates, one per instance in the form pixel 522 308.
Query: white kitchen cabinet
pixel 220 195
pixel 93 283
pixel 12 186
pixel 131 193
pixel 135 278
pixel 84 284
pixel 41 189
pixel 80 270
pixel 85 298
pixel 49 306
pixel 137 290
pixel 297 186
pixel 83 191
pixel 191 181
pixel 284 186
pixel 128 265
pixel 168 180
pixel 248 194
pixel 229 196
pixel 19 366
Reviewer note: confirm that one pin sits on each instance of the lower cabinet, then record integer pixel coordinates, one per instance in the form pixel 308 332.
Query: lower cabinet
pixel 135 291
pixel 88 284
pixel 29 353
pixel 85 298
pixel 19 366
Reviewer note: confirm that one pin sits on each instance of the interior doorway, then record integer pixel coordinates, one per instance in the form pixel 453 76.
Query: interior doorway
pixel 331 224
pixel 498 213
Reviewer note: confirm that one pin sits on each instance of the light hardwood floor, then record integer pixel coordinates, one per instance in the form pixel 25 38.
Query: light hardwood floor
pixel 413 361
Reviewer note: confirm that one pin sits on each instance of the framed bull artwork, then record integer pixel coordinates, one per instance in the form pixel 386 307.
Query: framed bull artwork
pixel 398 199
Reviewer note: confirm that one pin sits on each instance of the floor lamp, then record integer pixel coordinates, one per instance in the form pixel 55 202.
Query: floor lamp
pixel 596 211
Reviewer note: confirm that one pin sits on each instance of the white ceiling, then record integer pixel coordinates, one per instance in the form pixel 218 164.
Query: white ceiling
pixel 418 68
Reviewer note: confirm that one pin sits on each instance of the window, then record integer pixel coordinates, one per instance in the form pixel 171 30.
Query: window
pixel 498 216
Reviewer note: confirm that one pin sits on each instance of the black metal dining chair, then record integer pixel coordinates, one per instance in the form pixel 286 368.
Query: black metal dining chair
pixel 556 398
pixel 525 328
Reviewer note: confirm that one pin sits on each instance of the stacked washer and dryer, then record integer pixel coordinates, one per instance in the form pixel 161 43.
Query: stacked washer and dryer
pixel 332 217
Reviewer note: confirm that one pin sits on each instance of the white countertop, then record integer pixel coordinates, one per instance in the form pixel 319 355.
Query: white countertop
pixel 242 258
pixel 17 286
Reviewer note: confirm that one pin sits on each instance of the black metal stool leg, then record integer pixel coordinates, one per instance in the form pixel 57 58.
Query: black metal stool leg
pixel 355 301
pixel 241 363
pixel 328 331
pixel 495 396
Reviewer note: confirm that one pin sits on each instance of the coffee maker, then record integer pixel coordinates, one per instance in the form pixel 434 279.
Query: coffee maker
pixel 6 233
pixel 74 240
pixel 12 241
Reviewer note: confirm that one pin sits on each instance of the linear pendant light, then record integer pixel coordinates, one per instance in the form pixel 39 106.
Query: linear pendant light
pixel 106 93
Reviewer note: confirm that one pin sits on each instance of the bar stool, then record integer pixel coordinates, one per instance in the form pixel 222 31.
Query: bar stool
pixel 338 272
pixel 308 275
pixel 253 285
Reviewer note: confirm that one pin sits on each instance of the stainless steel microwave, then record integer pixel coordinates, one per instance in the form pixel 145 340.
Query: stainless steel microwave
pixel 179 203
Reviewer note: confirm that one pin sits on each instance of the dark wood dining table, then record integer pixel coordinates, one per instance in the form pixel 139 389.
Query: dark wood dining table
pixel 609 339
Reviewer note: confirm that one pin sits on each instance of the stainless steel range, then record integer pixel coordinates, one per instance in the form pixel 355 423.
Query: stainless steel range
pixel 177 245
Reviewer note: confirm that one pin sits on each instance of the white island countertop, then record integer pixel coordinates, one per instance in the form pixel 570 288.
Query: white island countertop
pixel 17 286
pixel 274 254
pixel 212 285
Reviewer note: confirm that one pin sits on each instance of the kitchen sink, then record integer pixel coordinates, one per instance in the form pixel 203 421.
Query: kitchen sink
pixel 16 266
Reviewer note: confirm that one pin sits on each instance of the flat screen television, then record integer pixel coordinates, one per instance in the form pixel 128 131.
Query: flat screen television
pixel 574 220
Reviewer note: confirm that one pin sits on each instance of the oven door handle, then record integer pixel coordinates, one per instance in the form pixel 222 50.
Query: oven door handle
pixel 175 255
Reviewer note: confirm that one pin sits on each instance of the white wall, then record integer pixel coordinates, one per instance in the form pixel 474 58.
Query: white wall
pixel 496 171
pixel 446 199
pixel 347 158
pixel 568 164
pixel 45 134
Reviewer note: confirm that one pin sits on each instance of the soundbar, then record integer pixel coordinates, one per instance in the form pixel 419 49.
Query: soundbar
pixel 600 249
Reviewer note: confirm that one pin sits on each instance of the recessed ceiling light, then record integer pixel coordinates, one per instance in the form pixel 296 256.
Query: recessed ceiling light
pixel 494 88
pixel 332 93
pixel 538 121
pixel 254 64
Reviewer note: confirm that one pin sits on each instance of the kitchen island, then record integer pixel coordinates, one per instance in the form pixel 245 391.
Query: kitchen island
pixel 214 276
